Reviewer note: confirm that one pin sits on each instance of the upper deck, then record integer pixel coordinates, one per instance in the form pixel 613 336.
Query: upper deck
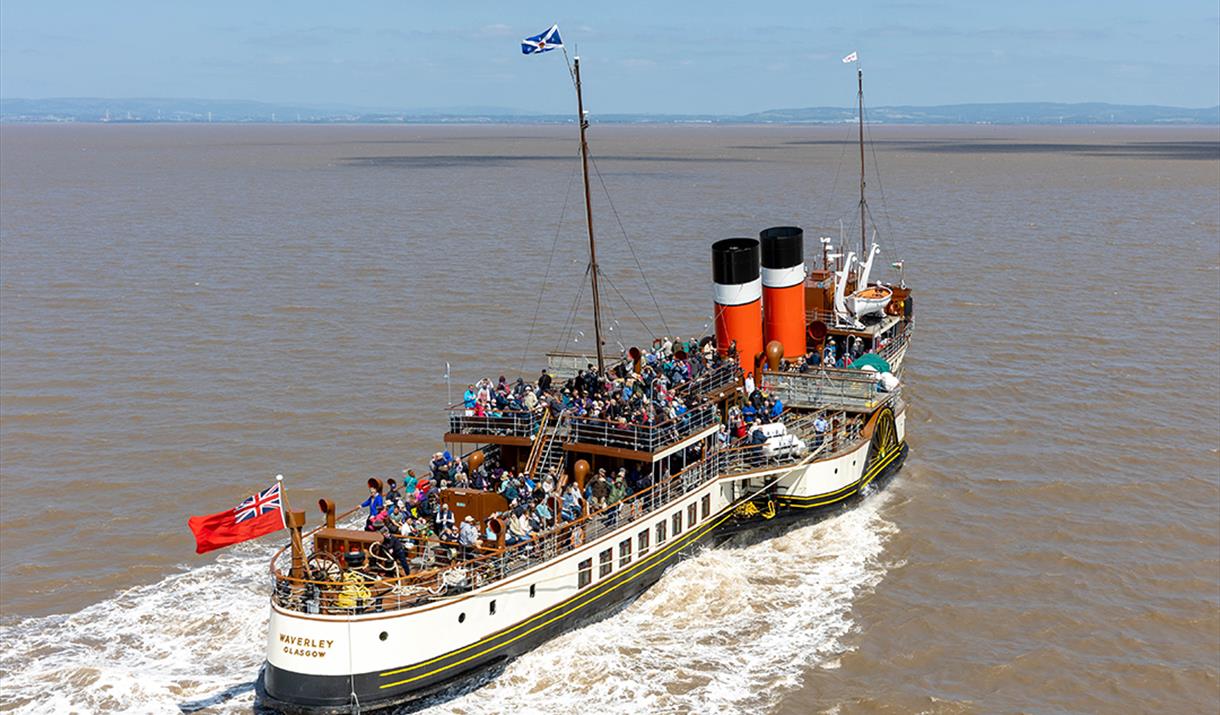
pixel 621 437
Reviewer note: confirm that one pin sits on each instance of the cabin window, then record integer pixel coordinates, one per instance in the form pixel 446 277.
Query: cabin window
pixel 660 533
pixel 705 505
pixel 605 563
pixel 491 608
pixel 384 635
pixel 642 543
pixel 624 553
pixel 677 521
pixel 533 589
pixel 692 514
pixel 585 573
pixel 462 617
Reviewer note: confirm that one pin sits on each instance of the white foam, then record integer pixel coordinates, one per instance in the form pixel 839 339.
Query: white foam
pixel 149 649
pixel 730 630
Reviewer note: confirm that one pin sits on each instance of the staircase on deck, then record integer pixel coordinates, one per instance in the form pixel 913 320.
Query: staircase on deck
pixel 547 452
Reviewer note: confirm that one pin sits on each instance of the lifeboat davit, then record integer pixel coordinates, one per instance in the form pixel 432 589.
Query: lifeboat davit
pixel 870 301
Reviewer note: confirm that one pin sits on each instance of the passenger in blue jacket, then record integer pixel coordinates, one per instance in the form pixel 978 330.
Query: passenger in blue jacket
pixel 375 502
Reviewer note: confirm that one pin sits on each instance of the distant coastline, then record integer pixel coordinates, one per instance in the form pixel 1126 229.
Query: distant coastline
pixel 159 110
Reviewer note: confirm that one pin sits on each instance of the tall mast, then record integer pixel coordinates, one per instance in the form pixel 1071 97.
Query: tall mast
pixel 584 163
pixel 860 95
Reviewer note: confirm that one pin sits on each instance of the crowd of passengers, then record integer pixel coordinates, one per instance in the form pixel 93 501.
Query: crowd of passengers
pixel 412 508
pixel 831 355
pixel 620 397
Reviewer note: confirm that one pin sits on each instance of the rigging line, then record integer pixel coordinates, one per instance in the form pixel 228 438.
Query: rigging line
pixel 640 266
pixel 830 198
pixel 885 209
pixel 570 323
pixel 629 308
pixel 565 333
pixel 614 323
pixel 549 259
pixel 568 62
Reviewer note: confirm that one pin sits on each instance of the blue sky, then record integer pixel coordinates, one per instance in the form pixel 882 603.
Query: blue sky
pixel 670 57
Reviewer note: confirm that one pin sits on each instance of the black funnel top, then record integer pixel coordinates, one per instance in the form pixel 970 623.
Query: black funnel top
pixel 782 246
pixel 735 261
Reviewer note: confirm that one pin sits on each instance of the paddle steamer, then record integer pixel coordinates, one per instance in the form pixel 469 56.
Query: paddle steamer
pixel 460 614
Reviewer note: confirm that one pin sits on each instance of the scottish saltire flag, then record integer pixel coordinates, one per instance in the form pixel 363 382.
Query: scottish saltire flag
pixel 853 57
pixel 544 42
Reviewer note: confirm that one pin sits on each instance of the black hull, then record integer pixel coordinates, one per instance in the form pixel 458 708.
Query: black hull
pixel 288 692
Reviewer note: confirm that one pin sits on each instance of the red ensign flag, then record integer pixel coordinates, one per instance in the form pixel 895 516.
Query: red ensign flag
pixel 261 514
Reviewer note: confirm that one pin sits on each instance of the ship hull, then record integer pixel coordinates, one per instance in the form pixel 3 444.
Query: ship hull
pixel 449 674
pixel 312 694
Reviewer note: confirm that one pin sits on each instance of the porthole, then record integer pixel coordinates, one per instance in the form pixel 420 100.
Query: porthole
pixel 836 470
pixel 383 635
pixel 461 618
pixel 533 588
pixel 491 608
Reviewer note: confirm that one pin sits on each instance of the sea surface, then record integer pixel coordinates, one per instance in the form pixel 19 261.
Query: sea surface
pixel 186 311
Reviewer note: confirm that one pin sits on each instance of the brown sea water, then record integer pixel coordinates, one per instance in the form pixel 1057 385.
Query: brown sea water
pixel 187 311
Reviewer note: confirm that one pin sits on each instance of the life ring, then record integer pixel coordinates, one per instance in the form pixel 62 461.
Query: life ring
pixel 637 509
pixel 578 536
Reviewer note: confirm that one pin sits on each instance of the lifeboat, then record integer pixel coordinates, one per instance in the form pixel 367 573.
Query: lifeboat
pixel 870 301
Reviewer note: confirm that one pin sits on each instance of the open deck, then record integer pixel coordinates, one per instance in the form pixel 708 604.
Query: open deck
pixel 445 570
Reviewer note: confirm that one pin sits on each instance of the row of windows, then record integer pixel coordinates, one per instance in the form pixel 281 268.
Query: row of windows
pixel 605 559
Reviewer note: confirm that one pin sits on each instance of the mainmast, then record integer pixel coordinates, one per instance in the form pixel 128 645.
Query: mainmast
pixel 584 162
pixel 860 96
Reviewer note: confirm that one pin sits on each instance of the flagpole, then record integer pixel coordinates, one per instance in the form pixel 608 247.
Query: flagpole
pixel 584 161
pixel 294 522
pixel 448 386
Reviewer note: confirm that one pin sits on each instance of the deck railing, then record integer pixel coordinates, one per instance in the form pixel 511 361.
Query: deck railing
pixel 501 422
pixel 711 380
pixel 444 570
pixel 643 438
pixel 834 387
pixel 897 343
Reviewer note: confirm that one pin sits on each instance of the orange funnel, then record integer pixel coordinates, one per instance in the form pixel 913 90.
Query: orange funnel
pixel 735 271
pixel 783 288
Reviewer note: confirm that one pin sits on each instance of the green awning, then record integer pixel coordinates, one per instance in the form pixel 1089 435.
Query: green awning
pixel 873 360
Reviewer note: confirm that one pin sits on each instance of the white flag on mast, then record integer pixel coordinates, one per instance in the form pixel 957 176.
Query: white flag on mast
pixel 853 57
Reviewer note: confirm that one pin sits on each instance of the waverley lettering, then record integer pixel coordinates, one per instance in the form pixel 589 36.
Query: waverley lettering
pixel 305 647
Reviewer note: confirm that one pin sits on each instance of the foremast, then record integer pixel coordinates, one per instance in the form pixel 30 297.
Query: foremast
pixel 863 206
pixel 584 165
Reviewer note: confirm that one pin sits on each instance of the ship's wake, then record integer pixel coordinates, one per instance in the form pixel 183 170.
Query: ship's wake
pixel 193 641
pixel 730 630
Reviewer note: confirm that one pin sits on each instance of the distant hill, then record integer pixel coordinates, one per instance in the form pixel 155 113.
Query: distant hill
pixel 1008 113
pixel 143 110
